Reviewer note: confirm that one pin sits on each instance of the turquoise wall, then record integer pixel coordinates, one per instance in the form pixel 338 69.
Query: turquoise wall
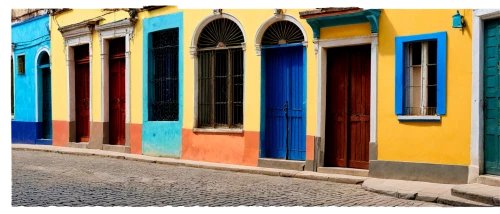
pixel 162 138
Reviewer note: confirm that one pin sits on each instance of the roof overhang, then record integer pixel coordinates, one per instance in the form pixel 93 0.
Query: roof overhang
pixel 330 17
pixel 80 28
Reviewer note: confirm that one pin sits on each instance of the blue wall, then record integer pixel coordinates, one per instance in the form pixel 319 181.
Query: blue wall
pixel 162 138
pixel 29 37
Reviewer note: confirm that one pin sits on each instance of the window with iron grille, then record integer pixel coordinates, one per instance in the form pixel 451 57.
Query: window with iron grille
pixel 163 74
pixel 220 75
pixel 421 78
pixel 20 64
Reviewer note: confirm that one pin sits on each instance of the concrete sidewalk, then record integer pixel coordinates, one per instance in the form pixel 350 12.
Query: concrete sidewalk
pixel 411 190
pixel 431 192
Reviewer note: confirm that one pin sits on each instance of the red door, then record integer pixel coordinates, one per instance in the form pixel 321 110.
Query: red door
pixel 348 107
pixel 82 93
pixel 117 91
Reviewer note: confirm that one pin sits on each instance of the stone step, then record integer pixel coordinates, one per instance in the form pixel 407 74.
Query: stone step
pixel 116 148
pixel 478 192
pixel 281 164
pixel 343 171
pixel 452 200
pixel 490 180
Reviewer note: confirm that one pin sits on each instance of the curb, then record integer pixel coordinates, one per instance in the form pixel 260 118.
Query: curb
pixel 445 198
pixel 336 178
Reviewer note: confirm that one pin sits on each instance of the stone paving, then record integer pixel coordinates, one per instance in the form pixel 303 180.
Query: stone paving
pixel 53 179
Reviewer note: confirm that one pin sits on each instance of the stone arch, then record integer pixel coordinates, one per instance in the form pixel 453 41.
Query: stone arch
pixel 262 29
pixel 205 22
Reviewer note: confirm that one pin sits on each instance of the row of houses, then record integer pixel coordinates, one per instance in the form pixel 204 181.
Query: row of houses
pixel 402 94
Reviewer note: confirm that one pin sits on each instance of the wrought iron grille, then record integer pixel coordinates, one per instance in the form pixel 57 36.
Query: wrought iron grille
pixel 220 95
pixel 163 87
pixel 282 32
pixel 220 33
pixel 421 78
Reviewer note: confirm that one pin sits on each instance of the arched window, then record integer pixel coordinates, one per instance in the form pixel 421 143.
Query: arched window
pixel 220 75
pixel 282 32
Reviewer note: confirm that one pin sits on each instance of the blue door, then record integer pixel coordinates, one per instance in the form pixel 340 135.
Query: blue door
pixel 284 103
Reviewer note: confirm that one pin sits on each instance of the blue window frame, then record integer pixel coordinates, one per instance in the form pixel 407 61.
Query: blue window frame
pixel 432 41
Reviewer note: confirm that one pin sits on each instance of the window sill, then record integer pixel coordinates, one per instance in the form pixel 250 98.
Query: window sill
pixel 408 118
pixel 222 131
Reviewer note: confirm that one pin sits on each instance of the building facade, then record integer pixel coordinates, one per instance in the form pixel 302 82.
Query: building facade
pixel 382 93
pixel 31 78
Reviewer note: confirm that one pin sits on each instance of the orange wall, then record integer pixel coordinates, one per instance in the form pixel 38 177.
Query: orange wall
pixel 240 149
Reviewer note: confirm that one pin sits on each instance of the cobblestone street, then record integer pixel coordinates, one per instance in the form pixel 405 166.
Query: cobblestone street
pixel 52 179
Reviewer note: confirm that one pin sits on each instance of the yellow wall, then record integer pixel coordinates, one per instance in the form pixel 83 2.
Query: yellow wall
pixel 362 29
pixel 251 20
pixel 136 57
pixel 447 142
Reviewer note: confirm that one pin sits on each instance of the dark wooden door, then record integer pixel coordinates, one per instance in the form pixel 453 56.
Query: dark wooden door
pixel 82 91
pixel 491 97
pixel 347 126
pixel 117 91
pixel 47 104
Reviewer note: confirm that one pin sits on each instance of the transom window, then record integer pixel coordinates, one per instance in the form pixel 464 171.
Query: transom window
pixel 20 64
pixel 163 85
pixel 220 75
pixel 282 32
pixel 421 78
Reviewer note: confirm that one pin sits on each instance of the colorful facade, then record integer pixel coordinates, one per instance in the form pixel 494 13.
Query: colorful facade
pixel 31 123
pixel 380 93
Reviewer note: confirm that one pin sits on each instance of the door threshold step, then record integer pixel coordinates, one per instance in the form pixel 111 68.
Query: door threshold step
pixel 478 192
pixel 344 171
pixel 80 145
pixel 490 180
pixel 116 148
pixel 281 164
pixel 43 142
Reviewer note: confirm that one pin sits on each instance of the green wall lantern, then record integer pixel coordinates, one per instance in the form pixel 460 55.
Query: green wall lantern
pixel 458 21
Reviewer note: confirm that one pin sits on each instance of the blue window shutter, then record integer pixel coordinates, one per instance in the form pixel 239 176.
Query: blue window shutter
pixel 399 77
pixel 441 73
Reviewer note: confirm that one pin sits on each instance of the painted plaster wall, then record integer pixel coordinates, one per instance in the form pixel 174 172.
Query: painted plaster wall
pixel 35 30
pixel 240 148
pixel 60 91
pixel 445 142
pixel 30 37
pixel 162 138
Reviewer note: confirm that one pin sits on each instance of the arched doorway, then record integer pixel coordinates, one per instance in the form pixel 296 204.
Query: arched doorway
pixel 46 95
pixel 283 91
pixel 220 74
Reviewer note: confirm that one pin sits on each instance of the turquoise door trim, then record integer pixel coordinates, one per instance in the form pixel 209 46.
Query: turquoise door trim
pixel 364 16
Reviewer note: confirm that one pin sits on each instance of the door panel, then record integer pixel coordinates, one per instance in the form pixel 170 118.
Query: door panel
pixel 296 131
pixel 285 130
pixel 117 101
pixel 47 104
pixel 359 106
pixel 491 98
pixel 347 127
pixel 276 103
pixel 82 102
pixel 336 108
